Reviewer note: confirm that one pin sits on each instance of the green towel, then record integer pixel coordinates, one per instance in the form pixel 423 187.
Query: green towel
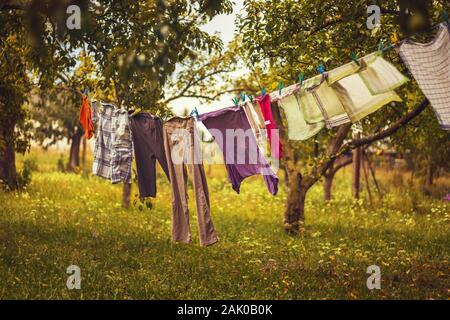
pixel 379 75
pixel 298 129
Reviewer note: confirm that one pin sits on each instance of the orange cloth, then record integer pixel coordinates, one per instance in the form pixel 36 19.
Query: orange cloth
pixel 86 118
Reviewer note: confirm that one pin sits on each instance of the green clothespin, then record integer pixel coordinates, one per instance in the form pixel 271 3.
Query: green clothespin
pixel 236 102
pixel 280 87
pixel 301 78
pixel 445 16
pixel 251 98
pixel 355 58
pixel 380 45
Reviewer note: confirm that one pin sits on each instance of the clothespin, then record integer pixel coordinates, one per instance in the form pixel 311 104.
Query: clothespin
pixel 280 87
pixel 194 112
pixel 243 97
pixel 321 68
pixel 251 98
pixel 263 92
pixel 355 58
pixel 301 78
pixel 86 91
pixel 135 112
pixel 445 16
pixel 380 45
pixel 236 102
pixel 394 38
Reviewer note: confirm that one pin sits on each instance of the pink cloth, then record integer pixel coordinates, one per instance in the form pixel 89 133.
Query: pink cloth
pixel 276 149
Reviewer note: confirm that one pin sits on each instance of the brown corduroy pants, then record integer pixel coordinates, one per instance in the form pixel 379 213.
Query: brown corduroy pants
pixel 183 151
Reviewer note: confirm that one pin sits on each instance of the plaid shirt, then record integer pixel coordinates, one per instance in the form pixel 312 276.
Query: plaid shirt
pixel 430 66
pixel 122 147
pixel 113 146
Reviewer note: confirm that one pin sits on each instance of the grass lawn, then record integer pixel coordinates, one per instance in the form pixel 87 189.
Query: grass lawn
pixel 66 219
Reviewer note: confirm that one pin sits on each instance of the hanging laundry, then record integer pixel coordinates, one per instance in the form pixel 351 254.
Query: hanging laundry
pixel 271 126
pixel 183 150
pixel 102 118
pixel 121 147
pixel 298 128
pixel 113 145
pixel 256 120
pixel 86 118
pixel 379 75
pixel 243 158
pixel 148 141
pixel 357 100
pixel 429 63
pixel 320 102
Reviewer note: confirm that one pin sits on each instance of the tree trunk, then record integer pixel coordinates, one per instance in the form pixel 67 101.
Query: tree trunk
pixel 8 173
pixel 366 179
pixel 430 172
pixel 83 151
pixel 356 170
pixel 126 195
pixel 327 185
pixel 74 156
pixel 294 216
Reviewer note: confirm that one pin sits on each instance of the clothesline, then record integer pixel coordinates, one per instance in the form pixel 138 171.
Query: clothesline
pixel 396 43
pixel 342 95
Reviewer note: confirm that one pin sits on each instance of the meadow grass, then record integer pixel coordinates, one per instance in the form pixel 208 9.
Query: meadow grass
pixel 64 219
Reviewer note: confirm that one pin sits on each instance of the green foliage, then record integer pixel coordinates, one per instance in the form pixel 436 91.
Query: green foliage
pixel 25 175
pixel 129 49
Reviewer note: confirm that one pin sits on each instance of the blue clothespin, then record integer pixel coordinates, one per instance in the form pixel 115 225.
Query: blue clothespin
pixel 243 97
pixel 355 58
pixel 86 91
pixel 280 87
pixel 321 68
pixel 236 102
pixel 444 16
pixel 194 112
pixel 263 92
pixel 301 78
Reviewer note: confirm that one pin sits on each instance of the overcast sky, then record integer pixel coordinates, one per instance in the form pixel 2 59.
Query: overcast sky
pixel 224 26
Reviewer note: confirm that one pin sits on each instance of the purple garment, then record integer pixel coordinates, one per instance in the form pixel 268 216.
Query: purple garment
pixel 241 153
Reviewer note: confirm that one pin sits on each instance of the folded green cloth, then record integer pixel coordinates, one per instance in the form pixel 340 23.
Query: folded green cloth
pixel 298 128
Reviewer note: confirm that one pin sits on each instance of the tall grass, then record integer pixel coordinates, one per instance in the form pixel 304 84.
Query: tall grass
pixel 63 219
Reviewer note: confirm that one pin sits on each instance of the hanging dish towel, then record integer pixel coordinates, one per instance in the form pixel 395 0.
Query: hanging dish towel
pixel 429 63
pixel 319 102
pixel 357 100
pixel 298 128
pixel 379 75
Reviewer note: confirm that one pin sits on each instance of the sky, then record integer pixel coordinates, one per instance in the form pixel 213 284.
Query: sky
pixel 224 26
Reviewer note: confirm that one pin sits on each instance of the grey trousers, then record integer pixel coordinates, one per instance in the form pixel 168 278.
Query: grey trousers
pixel 182 155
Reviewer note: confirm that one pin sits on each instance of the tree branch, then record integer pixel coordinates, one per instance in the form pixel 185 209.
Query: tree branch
pixel 342 164
pixel 199 96
pixel 336 148
pixel 6 7
pixel 388 131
